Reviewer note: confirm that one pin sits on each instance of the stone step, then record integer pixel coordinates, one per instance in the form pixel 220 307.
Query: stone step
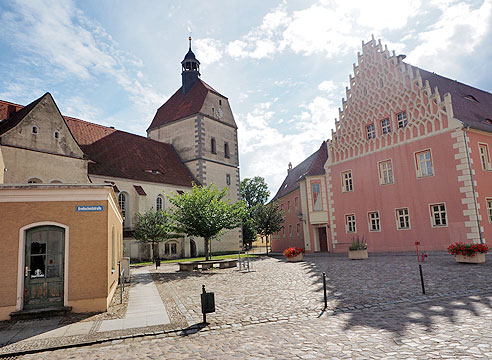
pixel 40 313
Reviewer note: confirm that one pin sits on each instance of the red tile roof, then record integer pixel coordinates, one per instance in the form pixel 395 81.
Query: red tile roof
pixel 181 105
pixel 120 154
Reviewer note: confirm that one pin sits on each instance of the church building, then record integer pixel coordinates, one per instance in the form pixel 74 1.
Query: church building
pixel 192 139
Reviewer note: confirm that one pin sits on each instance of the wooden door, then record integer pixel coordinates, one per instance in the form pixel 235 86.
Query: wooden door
pixel 323 240
pixel 44 270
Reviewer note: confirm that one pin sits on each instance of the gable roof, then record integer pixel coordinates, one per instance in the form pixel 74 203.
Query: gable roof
pixel 116 153
pixel 16 117
pixel 472 106
pixel 181 105
pixel 312 165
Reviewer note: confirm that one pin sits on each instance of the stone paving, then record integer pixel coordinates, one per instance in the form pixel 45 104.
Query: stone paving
pixel 375 310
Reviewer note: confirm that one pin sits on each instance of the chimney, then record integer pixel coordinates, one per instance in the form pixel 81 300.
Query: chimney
pixel 289 168
pixel 10 110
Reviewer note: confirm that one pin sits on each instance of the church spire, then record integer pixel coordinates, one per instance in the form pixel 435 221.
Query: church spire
pixel 190 70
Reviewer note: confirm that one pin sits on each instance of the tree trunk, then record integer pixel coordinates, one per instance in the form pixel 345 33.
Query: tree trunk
pixel 152 252
pixel 207 255
pixel 266 243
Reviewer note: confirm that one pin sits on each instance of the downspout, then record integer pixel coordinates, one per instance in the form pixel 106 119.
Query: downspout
pixel 466 129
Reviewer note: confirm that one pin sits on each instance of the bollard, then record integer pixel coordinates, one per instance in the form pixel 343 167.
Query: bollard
pixel 324 290
pixel 422 278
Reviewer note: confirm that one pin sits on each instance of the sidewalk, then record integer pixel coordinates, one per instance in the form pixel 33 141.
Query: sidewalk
pixel 145 309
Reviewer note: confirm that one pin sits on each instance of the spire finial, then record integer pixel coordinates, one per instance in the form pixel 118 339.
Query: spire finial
pixel 189 38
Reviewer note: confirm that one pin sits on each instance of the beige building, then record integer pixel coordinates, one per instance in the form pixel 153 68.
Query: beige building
pixel 60 247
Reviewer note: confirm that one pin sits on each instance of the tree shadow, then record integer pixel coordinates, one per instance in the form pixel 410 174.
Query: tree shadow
pixel 384 291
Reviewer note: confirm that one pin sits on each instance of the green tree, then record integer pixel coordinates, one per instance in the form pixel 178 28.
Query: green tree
pixel 205 212
pixel 152 227
pixel 254 192
pixel 269 219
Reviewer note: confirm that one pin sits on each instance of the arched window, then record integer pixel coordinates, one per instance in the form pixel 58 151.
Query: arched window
pixel 123 203
pixel 34 181
pixel 159 203
pixel 171 248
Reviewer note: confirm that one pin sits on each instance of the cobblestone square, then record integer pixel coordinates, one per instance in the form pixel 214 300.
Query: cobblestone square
pixel 376 309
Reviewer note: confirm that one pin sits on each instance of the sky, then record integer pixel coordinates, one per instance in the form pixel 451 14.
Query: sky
pixel 283 65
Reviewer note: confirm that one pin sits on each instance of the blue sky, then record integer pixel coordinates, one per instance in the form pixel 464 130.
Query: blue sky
pixel 283 65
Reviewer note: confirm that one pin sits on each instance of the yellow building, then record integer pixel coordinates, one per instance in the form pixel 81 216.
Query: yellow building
pixel 60 247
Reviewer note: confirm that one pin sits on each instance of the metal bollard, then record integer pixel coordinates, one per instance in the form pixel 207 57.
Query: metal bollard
pixel 422 279
pixel 324 290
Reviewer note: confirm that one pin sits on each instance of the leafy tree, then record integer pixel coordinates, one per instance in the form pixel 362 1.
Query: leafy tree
pixel 254 193
pixel 152 227
pixel 205 212
pixel 269 219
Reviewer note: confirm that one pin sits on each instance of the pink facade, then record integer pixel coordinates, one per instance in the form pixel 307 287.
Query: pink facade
pixel 398 164
pixel 292 233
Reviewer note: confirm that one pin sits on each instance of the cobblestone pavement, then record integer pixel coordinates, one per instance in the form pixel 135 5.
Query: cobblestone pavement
pixel 375 310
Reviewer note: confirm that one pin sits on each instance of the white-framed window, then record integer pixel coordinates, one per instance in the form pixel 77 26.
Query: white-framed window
pixel 385 172
pixel 123 203
pixel 288 206
pixel 489 209
pixel 159 203
pixel 373 218
pixel 438 215
pixel 290 231
pixel 296 202
pixel 370 131
pixel 402 219
pixel 385 126
pixel 298 228
pixel 423 163
pixel 484 156
pixel 34 181
pixel 317 200
pixel 347 181
pixel 171 248
pixel 401 118
pixel 350 226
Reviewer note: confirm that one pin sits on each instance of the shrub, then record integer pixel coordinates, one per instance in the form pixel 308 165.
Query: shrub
pixel 358 244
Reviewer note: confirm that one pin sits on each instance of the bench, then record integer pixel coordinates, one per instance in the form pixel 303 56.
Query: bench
pixel 205 265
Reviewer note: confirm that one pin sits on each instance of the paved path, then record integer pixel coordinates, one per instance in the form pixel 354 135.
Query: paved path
pixel 145 308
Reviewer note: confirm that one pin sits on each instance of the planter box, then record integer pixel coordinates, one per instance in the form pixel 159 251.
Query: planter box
pixel 358 254
pixel 477 259
pixel 296 258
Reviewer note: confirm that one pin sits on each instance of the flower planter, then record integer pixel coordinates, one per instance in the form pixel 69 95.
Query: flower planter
pixel 296 258
pixel 358 254
pixel 477 259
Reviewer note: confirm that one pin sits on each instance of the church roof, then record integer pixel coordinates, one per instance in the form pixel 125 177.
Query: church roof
pixel 470 105
pixel 116 153
pixel 313 165
pixel 112 152
pixel 181 105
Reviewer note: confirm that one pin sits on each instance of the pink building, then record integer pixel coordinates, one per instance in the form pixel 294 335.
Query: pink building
pixel 409 161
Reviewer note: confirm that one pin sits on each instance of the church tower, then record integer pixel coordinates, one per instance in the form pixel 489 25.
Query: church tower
pixel 198 121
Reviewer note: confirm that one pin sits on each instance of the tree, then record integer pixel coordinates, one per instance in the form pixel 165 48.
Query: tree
pixel 205 212
pixel 152 227
pixel 269 219
pixel 254 192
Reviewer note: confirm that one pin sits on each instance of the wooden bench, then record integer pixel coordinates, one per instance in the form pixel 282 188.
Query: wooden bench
pixel 205 265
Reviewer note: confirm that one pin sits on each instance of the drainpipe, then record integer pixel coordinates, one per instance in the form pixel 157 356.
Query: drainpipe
pixel 466 129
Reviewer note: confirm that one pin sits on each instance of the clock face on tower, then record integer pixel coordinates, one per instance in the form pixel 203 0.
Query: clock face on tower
pixel 219 113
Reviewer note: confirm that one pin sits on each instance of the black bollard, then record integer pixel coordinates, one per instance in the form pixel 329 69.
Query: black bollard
pixel 203 310
pixel 324 290
pixel 422 278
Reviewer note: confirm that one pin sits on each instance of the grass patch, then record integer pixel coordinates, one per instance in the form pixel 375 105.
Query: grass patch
pixel 217 257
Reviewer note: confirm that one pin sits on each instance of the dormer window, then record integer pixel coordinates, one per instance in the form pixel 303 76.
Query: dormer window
pixel 35 130
pixel 471 98
pixel 153 172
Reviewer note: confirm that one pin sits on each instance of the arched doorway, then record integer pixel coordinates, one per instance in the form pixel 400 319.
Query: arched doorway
pixel 44 267
pixel 192 248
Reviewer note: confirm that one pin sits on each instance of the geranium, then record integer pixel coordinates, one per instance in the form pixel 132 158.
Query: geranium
pixel 293 251
pixel 467 249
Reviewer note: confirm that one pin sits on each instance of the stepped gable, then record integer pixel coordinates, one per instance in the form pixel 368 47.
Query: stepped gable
pixel 291 181
pixel 470 105
pixel 116 153
pixel 181 105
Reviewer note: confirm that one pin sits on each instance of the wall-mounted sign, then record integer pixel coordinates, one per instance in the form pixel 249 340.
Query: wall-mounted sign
pixel 89 208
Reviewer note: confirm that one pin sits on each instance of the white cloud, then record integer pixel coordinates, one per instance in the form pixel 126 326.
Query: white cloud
pixel 327 86
pixel 70 45
pixel 210 50
pixel 459 31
